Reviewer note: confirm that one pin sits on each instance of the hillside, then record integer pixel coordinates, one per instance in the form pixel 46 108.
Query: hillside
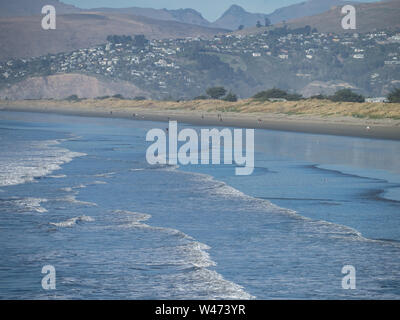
pixel 181 15
pixel 17 8
pixel 304 9
pixel 64 85
pixel 295 60
pixel 370 16
pixel 25 38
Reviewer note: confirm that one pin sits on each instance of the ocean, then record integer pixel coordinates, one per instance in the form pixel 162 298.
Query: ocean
pixel 77 193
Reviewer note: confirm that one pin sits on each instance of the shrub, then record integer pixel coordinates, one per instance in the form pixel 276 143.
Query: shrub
pixel 139 98
pixel 294 97
pixel 230 97
pixel 202 97
pixel 216 92
pixel 72 97
pixel 394 96
pixel 270 94
pixel 276 94
pixel 346 95
pixel 319 97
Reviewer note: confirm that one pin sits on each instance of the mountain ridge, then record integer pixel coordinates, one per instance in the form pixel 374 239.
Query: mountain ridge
pixel 187 15
pixel 236 16
pixel 231 19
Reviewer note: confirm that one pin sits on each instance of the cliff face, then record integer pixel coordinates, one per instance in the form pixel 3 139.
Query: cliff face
pixel 65 85
pixel 325 88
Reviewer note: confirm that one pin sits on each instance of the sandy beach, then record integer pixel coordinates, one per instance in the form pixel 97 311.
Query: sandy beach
pixel 302 117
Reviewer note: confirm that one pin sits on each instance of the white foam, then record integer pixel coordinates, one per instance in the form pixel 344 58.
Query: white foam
pixel 105 175
pixel 98 182
pixel 57 176
pixel 72 199
pixel 28 204
pixel 81 186
pixel 67 189
pixel 32 160
pixel 73 221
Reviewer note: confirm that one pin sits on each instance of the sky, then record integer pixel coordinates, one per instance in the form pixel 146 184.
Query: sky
pixel 210 9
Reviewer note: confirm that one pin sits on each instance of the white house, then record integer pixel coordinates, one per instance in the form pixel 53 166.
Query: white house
pixel 377 100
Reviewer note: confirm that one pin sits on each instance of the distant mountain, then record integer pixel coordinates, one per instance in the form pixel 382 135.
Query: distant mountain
pixel 181 15
pixel 189 16
pixel 304 9
pixel 236 16
pixel 370 16
pixel 25 38
pixel 18 8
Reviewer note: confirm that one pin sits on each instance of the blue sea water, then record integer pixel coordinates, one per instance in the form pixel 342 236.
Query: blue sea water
pixel 77 193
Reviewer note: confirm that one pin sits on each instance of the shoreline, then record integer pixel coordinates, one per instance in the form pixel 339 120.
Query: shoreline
pixel 387 129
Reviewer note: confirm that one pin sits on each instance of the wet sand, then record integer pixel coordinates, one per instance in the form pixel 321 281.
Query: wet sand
pixel 332 125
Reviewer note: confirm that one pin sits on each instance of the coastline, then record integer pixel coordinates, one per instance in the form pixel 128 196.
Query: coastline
pixel 388 129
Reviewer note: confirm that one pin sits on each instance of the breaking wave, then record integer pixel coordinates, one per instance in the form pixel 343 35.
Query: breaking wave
pixel 72 222
pixel 26 162
pixel 190 258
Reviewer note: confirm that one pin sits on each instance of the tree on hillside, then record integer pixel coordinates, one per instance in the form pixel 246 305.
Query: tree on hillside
pixel 140 41
pixel 394 96
pixel 346 95
pixel 241 27
pixel 258 25
pixel 216 92
pixel 119 39
pixel 307 30
pixel 139 98
pixel 319 97
pixel 201 97
pixel 270 94
pixel 72 97
pixel 230 97
pixel 277 94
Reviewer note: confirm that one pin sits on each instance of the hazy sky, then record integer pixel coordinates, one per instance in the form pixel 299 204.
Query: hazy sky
pixel 211 9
